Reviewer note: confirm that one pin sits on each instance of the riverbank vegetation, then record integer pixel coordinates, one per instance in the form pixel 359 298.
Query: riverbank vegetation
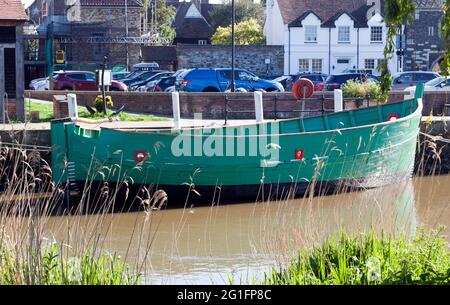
pixel 45 110
pixel 38 247
pixel 369 259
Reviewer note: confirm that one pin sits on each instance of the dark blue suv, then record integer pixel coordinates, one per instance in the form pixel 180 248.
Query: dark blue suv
pixel 219 80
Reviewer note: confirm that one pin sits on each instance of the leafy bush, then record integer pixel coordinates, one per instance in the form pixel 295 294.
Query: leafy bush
pixel 368 259
pixel 356 89
pixel 98 103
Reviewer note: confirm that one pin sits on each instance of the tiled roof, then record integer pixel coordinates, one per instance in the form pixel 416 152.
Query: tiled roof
pixel 190 27
pixel 429 4
pixel 12 10
pixel 130 3
pixel 293 11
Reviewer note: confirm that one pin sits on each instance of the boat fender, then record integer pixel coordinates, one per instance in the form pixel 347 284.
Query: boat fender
pixel 303 88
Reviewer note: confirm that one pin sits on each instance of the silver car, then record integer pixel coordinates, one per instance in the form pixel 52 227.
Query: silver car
pixel 407 79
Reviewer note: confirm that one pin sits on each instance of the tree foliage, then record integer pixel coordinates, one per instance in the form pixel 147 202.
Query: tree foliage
pixel 161 18
pixel 245 10
pixel 396 14
pixel 445 34
pixel 246 33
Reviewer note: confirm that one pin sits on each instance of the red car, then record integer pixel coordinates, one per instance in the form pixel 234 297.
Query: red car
pixel 82 81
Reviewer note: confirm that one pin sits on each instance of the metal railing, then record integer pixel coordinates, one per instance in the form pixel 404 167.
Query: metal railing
pixel 276 99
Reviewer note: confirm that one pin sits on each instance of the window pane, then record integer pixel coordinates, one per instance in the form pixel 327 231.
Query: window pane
pixel 303 65
pixel 310 33
pixel 344 34
pixel 226 74
pixel 376 34
pixel 369 64
pixel 77 76
pixel 317 65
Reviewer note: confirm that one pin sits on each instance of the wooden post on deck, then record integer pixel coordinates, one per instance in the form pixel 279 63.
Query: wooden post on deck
pixel 338 100
pixel 72 105
pixel 259 111
pixel 176 110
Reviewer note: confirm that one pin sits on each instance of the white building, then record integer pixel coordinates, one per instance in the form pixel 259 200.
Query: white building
pixel 328 36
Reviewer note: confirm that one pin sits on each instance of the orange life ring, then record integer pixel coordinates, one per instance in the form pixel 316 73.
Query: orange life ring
pixel 303 88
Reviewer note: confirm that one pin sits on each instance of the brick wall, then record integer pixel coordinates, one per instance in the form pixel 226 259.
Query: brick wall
pixel 219 56
pixel 109 22
pixel 423 49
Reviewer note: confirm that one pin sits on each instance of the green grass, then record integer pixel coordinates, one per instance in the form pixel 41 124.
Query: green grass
pixel 369 259
pixel 51 267
pixel 46 113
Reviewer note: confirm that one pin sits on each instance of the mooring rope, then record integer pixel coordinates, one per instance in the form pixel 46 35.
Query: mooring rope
pixel 435 138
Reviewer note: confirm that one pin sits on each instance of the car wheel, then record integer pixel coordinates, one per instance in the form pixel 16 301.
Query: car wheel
pixel 210 89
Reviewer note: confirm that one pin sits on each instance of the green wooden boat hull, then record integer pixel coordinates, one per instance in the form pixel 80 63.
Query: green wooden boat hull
pixel 358 148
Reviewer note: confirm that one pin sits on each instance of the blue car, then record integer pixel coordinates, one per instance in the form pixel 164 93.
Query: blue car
pixel 219 80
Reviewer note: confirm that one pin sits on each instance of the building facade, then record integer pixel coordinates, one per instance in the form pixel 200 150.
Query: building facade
pixel 424 46
pixel 328 36
pixel 85 31
pixel 12 18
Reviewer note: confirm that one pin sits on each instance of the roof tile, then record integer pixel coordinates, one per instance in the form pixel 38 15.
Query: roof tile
pixel 12 10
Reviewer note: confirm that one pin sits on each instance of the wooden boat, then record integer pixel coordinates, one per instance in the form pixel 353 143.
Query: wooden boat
pixel 360 148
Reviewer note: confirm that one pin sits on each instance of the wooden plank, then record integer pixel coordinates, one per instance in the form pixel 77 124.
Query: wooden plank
pixel 20 78
pixel 2 82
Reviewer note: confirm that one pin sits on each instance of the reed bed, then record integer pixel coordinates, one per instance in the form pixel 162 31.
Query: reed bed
pixel 369 259
pixel 381 243
pixel 30 253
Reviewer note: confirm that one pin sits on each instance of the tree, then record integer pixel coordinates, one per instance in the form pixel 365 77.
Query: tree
pixel 246 32
pixel 160 17
pixel 245 10
pixel 396 14
pixel 445 34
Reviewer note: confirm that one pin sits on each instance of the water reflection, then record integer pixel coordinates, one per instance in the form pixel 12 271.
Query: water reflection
pixel 214 245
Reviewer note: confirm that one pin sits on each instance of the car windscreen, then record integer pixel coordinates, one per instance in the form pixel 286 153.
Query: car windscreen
pixel 434 82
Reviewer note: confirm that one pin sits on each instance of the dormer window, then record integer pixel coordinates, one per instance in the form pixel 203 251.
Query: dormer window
pixel 343 34
pixel 311 33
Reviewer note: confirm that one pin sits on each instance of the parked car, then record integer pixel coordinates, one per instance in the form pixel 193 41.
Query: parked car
pixel 219 80
pixel 318 80
pixel 406 79
pixel 39 84
pixel 120 75
pixel 139 77
pixel 146 66
pixel 83 81
pixel 284 80
pixel 437 84
pixel 143 85
pixel 337 80
pixel 363 71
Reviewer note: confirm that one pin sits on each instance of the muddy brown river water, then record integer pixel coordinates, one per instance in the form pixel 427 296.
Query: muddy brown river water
pixel 237 243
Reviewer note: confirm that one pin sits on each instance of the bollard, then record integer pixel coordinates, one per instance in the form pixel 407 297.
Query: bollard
pixel 411 95
pixel 72 105
pixel 176 110
pixel 259 111
pixel 338 100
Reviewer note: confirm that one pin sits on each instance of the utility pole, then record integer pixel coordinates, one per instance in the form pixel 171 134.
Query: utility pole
pixel 103 84
pixel 126 33
pixel 233 16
